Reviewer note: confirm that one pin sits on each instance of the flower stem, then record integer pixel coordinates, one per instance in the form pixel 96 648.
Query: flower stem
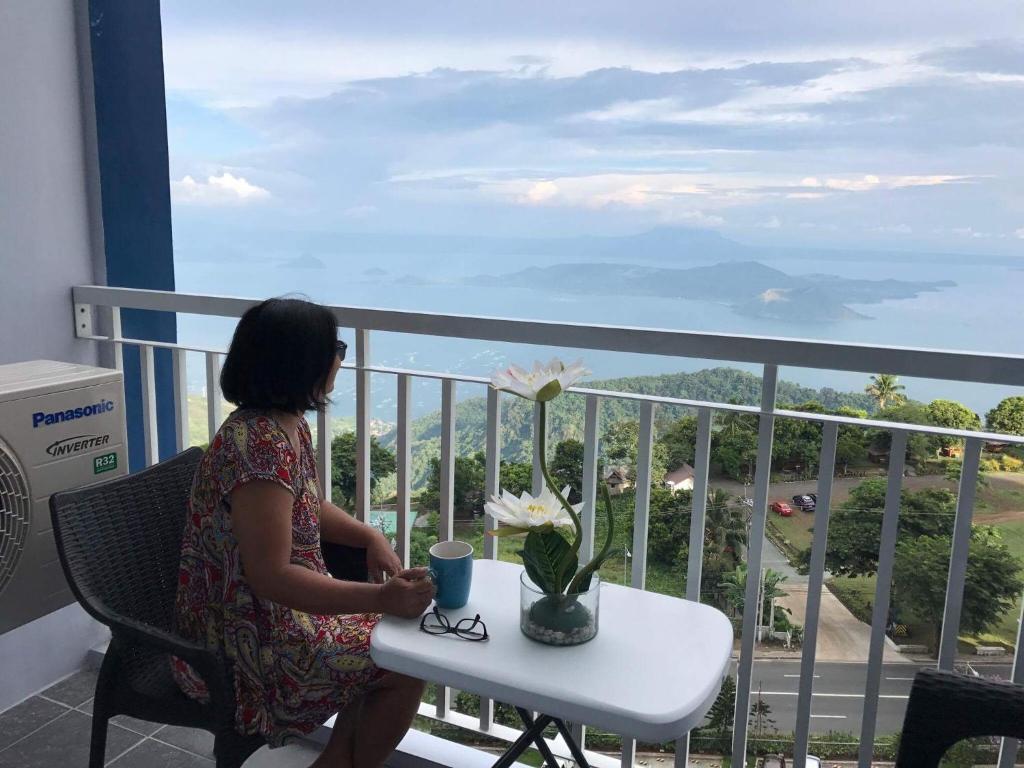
pixel 542 450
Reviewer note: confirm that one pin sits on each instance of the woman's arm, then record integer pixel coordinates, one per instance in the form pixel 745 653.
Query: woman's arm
pixel 261 518
pixel 339 527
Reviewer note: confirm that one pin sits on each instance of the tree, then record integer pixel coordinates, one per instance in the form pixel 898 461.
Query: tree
pixel 468 492
pixel 343 466
pixel 760 716
pixel 620 442
pixel 725 525
pixel 736 453
pixel 567 468
pixel 991 586
pixel 855 526
pixel 951 414
pixel 1007 417
pixel 722 713
pixel 920 447
pixel 797 441
pixel 885 388
pixel 669 527
pixel 680 441
pixel 516 476
pixel 734 587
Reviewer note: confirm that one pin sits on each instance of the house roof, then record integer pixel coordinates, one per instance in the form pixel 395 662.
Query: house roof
pixel 679 474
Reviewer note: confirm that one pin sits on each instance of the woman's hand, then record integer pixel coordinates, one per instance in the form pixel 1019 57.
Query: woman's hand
pixel 381 559
pixel 407 593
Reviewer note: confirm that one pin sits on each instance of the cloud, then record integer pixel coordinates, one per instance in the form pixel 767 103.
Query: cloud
pixel 1019 233
pixel 1004 57
pixel 895 229
pixel 226 189
pixel 772 223
pixel 970 232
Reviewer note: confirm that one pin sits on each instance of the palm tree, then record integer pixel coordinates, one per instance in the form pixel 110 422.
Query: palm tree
pixel 734 587
pixel 885 388
pixel 725 524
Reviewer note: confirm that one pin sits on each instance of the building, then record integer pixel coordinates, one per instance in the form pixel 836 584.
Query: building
pixel 680 478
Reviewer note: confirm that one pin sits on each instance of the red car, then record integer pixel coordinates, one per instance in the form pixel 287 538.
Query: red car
pixel 782 508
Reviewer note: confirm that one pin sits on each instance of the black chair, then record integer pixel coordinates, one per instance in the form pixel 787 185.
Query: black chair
pixel 945 707
pixel 119 543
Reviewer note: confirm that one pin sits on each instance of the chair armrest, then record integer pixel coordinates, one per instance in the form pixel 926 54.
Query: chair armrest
pixel 945 707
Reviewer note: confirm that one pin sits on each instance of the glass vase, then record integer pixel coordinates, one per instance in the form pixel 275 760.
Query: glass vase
pixel 558 619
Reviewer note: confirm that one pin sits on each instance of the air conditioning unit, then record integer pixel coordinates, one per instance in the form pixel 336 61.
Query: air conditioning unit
pixel 61 426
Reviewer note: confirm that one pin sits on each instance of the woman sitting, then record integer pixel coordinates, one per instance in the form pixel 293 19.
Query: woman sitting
pixel 252 581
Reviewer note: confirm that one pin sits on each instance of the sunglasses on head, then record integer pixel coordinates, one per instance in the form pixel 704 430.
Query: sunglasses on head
pixel 341 348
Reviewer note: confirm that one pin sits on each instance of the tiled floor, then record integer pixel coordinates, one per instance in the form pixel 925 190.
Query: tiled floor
pixel 52 729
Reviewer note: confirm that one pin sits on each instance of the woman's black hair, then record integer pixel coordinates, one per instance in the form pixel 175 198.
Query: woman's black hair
pixel 281 356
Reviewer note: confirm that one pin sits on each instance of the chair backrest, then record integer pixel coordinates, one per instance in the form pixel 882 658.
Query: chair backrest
pixel 120 541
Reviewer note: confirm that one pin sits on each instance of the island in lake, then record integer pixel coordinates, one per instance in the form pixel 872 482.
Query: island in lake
pixel 749 287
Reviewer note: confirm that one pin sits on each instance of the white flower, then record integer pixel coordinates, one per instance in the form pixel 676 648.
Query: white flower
pixel 543 383
pixel 528 512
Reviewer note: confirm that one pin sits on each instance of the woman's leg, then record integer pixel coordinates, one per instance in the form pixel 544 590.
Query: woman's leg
pixel 338 752
pixel 387 712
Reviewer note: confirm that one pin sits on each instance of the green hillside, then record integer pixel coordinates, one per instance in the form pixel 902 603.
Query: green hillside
pixel 566 414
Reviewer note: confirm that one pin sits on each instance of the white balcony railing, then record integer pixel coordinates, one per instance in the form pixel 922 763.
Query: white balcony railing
pixel 96 303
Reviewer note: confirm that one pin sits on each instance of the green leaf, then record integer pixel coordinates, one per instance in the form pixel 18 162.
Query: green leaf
pixel 543 552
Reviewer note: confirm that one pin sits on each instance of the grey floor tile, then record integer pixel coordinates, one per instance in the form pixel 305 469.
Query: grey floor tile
pixel 195 740
pixel 290 756
pixel 74 690
pixel 20 720
pixel 154 754
pixel 145 727
pixel 64 741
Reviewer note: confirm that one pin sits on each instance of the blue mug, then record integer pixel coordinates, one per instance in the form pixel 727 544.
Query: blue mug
pixel 451 570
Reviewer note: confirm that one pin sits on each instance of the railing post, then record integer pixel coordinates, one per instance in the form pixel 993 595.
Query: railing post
pixel 323 453
pixel 149 425
pixel 213 409
pixel 1008 747
pixel 404 464
pixel 180 378
pixel 492 471
pixel 492 487
pixel 446 521
pixel 883 587
pixel 815 583
pixel 755 548
pixel 115 332
pixel 589 513
pixel 698 517
pixel 958 553
pixel 538 475
pixel 363 412
pixel 642 505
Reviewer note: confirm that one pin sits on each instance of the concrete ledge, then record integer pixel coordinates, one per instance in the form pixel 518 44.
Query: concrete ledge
pixel 990 650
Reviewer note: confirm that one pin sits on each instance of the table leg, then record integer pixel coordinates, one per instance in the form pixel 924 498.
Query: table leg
pixel 574 748
pixel 542 746
pixel 521 744
pixel 535 733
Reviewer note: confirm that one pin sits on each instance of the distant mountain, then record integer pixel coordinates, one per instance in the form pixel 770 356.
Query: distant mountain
pixel 566 414
pixel 668 245
pixel 749 287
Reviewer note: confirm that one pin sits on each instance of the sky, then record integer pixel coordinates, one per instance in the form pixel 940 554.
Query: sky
pixel 868 124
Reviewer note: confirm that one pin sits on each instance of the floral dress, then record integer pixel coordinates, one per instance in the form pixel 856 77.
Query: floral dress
pixel 293 670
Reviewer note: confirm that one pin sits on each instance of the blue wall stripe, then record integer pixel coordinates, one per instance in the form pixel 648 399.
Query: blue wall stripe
pixel 131 129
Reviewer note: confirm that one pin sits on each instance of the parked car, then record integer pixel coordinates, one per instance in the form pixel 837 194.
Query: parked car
pixel 806 501
pixel 782 508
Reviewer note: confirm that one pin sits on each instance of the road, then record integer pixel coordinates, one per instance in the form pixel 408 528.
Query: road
pixel 837 701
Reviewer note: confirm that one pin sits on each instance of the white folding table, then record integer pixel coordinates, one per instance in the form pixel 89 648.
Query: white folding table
pixel 651 673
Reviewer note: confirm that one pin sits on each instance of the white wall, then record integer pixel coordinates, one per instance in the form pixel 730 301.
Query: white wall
pixel 47 235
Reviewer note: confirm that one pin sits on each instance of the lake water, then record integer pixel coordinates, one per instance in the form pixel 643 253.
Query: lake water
pixel 983 312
